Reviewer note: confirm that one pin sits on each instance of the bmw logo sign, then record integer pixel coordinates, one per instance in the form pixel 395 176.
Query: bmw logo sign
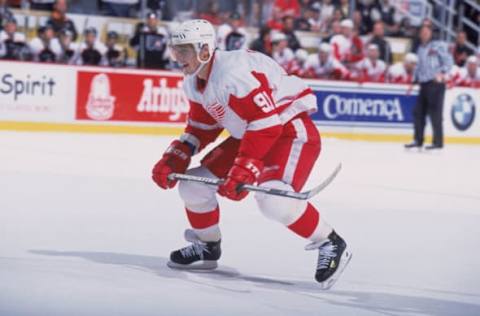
pixel 463 112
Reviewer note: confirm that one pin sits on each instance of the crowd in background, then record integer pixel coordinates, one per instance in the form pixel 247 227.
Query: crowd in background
pixel 352 45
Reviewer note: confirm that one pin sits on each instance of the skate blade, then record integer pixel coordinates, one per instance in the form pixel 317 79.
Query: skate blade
pixel 201 265
pixel 344 260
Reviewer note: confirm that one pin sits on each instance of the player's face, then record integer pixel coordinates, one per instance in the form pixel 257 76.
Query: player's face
pixel 472 69
pixel 410 66
pixel 346 31
pixel 186 57
pixel 373 54
pixel 323 56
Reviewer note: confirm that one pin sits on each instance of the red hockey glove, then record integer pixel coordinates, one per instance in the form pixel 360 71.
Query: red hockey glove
pixel 175 159
pixel 244 171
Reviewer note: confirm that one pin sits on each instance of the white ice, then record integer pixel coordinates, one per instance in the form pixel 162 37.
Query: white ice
pixel 84 231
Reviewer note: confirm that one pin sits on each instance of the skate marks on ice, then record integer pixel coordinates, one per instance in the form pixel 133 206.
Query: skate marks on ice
pixel 379 299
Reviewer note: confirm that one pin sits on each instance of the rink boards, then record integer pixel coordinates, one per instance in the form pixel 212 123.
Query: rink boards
pixel 41 97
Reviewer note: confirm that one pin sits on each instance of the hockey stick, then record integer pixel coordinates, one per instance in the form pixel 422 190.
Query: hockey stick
pixel 291 194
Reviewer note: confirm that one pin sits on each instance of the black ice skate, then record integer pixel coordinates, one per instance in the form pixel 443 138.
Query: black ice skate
pixel 333 257
pixel 199 255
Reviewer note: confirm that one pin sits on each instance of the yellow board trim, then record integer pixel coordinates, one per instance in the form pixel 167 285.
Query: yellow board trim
pixel 176 130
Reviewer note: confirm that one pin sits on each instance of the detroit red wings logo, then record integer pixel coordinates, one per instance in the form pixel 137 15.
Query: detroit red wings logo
pixel 217 111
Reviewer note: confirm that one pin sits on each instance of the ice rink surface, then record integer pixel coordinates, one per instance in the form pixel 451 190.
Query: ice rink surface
pixel 84 231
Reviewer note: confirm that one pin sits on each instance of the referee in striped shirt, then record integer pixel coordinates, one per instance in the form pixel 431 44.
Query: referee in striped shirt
pixel 434 63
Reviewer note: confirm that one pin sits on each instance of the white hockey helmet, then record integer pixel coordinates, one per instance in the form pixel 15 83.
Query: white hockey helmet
pixel 325 48
pixel 197 32
pixel 278 36
pixel 472 60
pixel 301 54
pixel 411 58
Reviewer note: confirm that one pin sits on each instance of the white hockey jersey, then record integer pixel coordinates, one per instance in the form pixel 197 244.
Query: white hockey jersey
pixel 398 74
pixel 465 79
pixel 249 95
pixel 367 70
pixel 284 57
pixel 331 69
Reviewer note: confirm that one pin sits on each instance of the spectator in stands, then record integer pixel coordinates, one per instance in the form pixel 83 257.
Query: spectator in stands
pixel 212 14
pixel 367 9
pixel 347 47
pixel 43 47
pixel 378 38
pixel 116 54
pixel 344 7
pixel 470 74
pixel 460 50
pixel 13 42
pixel 120 8
pixel 263 43
pixel 150 41
pixel 91 51
pixel 296 66
pixel 324 65
pixel 161 7
pixel 68 48
pixel 281 53
pixel 288 7
pixel 338 15
pixel 275 21
pixel 358 23
pixel 5 13
pixel 289 31
pixel 232 35
pixel 334 29
pixel 43 5
pixel 326 14
pixel 371 68
pixel 403 72
pixel 406 29
pixel 310 19
pixel 59 20
pixel 385 11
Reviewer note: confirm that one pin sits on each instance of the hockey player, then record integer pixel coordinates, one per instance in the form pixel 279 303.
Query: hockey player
pixel 371 68
pixel 469 75
pixel 273 142
pixel 281 53
pixel 403 72
pixel 347 47
pixel 296 66
pixel 325 66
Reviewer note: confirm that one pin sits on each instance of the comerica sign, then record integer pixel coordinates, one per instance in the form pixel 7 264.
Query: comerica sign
pixel 335 106
pixel 349 104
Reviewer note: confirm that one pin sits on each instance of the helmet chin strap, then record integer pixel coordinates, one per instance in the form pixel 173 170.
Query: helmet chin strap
pixel 199 68
pixel 203 63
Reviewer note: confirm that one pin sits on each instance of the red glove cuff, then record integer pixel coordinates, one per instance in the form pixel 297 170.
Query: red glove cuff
pixel 178 150
pixel 252 166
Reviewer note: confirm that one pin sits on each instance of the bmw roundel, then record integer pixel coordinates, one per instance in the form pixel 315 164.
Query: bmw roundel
pixel 463 112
